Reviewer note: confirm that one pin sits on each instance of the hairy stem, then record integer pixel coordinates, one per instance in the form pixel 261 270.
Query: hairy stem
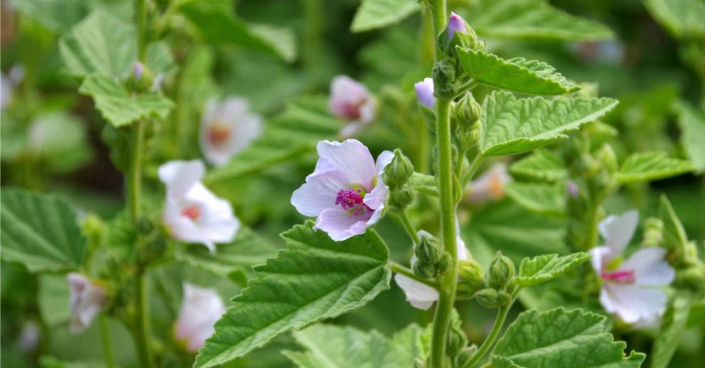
pixel 489 341
pixel 593 217
pixel 396 267
pixel 410 229
pixel 141 23
pixel 105 339
pixel 141 332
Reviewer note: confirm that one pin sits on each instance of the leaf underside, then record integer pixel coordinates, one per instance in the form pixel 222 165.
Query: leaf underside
pixel 646 166
pixel 540 165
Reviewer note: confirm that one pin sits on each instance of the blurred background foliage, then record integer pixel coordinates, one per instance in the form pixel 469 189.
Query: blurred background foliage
pixel 51 141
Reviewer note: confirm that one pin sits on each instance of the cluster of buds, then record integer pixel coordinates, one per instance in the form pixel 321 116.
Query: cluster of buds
pixel 396 176
pixel 499 277
pixel 431 260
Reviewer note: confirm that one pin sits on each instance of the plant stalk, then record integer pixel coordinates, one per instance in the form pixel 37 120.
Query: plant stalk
pixel 489 341
pixel 396 267
pixel 142 321
pixel 105 339
pixel 410 229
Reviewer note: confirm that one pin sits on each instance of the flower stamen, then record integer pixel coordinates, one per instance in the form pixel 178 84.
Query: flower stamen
pixel 192 212
pixel 352 201
pixel 218 134
pixel 620 277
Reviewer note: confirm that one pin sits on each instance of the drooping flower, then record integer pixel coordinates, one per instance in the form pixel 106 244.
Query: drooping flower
pixel 192 213
pixel 200 310
pixel 490 185
pixel 353 103
pixel 455 24
pixel 228 128
pixel 424 92
pixel 346 191
pixel 86 301
pixel 632 289
pixel 420 295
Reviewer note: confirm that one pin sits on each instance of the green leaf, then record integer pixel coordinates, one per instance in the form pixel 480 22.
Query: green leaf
pixel 692 124
pixel 647 166
pixel 40 231
pixel 314 279
pixel 51 362
pixel 291 133
pixel 121 108
pixel 329 346
pixel 245 251
pixel 53 299
pixel 540 165
pixel 374 14
pixel 513 125
pixel 547 199
pixel 423 183
pixel 100 44
pixel 546 267
pixel 674 323
pixel 560 338
pixel 517 75
pixel 683 18
pixel 216 24
pixel 674 236
pixel 60 15
pixel 531 19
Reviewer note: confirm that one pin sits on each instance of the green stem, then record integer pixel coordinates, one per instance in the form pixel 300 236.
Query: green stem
pixel 440 17
pixel 469 86
pixel 410 229
pixel 476 162
pixel 592 231
pixel 489 341
pixel 141 332
pixel 134 175
pixel 396 267
pixel 141 22
pixel 107 345
pixel 313 30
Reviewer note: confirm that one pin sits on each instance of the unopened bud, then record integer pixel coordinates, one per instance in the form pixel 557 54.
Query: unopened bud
pixel 429 249
pixel 465 356
pixel 488 298
pixel 398 172
pixel 424 270
pixel 501 271
pixel 444 263
pixel 586 166
pixel 142 78
pixel 456 24
pixel 424 93
pixel 607 158
pixel 402 197
pixel 471 278
pixel 456 341
pixel 467 112
pixel 144 225
pixel 443 73
pixel 94 230
pixel 653 234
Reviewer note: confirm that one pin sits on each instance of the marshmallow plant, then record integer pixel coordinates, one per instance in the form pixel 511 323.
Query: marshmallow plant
pixel 200 309
pixel 352 103
pixel 227 128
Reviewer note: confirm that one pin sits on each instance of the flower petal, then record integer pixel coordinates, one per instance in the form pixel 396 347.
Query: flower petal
pixel 319 192
pixel 618 231
pixel 424 93
pixel 352 158
pixel 633 303
pixel 341 224
pixel 180 176
pixel 420 296
pixel 650 267
pixel 600 258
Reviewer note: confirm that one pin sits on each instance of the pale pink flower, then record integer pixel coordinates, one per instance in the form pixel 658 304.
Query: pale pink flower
pixel 86 300
pixel 420 295
pixel 200 310
pixel 227 128
pixel 631 289
pixel 424 93
pixel 455 24
pixel 346 191
pixel 353 103
pixel 192 213
pixel 29 337
pixel 490 185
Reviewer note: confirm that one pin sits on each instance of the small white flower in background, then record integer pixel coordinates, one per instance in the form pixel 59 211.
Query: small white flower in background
pixel 353 103
pixel 200 310
pixel 346 191
pixel 86 301
pixel 228 128
pixel 490 185
pixel 420 295
pixel 424 92
pixel 632 289
pixel 191 212
pixel 455 24
pixel 29 337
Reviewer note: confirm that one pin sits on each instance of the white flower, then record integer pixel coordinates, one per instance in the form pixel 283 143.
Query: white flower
pixel 632 289
pixel 228 128
pixel 353 103
pixel 418 294
pixel 424 93
pixel 346 191
pixel 191 212
pixel 86 301
pixel 200 310
pixel 490 185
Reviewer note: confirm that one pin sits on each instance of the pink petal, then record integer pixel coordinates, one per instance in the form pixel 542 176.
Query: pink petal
pixel 341 224
pixel 319 191
pixel 353 160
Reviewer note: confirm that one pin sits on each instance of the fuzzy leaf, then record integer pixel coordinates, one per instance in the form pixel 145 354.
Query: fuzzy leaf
pixel 513 125
pixel 314 279
pixel 545 199
pixel 683 18
pixel 423 183
pixel 647 166
pixel 291 133
pixel 531 19
pixel 517 75
pixel 41 232
pixel 374 14
pixel 539 165
pixel 674 323
pixel 560 338
pixel 216 24
pixel 329 346
pixel 692 124
pixel 543 268
pixel 119 107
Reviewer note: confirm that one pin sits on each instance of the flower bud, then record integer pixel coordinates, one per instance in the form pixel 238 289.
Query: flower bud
pixel 455 24
pixel 504 298
pixel 653 234
pixel 398 172
pixel 142 78
pixel 424 93
pixel 443 73
pixel 424 270
pixel 467 112
pixel 456 341
pixel 488 298
pixel 607 158
pixel 444 263
pixel 465 356
pixel 458 33
pixel 144 225
pixel 471 280
pixel 402 197
pixel 429 249
pixel 586 166
pixel 501 272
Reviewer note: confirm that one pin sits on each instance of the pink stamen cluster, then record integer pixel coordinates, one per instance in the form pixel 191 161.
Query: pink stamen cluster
pixel 352 110
pixel 192 212
pixel 620 277
pixel 352 200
